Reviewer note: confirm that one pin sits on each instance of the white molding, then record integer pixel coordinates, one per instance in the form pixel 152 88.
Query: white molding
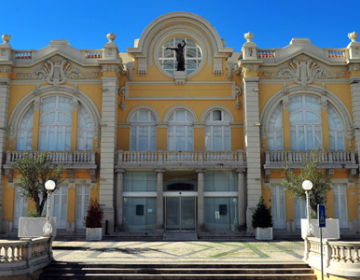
pixel 141 107
pixel 139 194
pixel 220 194
pixel 179 107
pixel 216 107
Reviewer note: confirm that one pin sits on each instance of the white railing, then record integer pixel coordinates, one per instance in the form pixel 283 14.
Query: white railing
pixel 64 158
pixel 324 157
pixel 336 53
pixel 266 53
pixel 340 258
pixel 92 54
pixel 179 157
pixel 20 258
pixel 23 54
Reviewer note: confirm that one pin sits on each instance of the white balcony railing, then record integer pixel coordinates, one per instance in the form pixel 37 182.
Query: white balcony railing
pixel 340 258
pixel 171 158
pixel 61 158
pixel 21 258
pixel 331 158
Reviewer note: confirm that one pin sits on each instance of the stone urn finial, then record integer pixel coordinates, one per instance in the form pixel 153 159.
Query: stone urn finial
pixel 111 37
pixel 353 36
pixel 6 38
pixel 249 36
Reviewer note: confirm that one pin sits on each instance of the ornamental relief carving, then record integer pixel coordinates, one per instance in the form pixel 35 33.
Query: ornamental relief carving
pixel 56 73
pixel 303 72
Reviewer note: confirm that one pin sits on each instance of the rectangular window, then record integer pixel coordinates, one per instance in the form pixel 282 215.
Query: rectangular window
pixel 140 181
pixel 134 221
pixel 220 181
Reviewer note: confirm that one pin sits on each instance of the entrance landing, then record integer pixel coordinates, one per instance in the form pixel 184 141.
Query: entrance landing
pixel 180 236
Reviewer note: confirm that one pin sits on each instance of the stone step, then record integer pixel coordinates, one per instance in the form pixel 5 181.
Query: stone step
pixel 144 276
pixel 93 271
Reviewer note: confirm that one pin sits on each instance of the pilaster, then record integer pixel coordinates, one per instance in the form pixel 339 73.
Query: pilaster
pixel 108 145
pixel 200 204
pixel 119 203
pixel 241 199
pixel 4 104
pixel 160 200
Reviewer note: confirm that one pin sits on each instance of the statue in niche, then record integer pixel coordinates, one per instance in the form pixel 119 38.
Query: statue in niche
pixel 179 56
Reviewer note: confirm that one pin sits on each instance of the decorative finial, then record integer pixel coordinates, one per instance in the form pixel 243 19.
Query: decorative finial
pixel 249 36
pixel 353 36
pixel 6 38
pixel 111 37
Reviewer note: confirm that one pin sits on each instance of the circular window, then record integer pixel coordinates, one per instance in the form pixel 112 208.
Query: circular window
pixel 169 56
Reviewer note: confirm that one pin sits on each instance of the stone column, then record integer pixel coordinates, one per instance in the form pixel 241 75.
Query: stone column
pixel 355 101
pixel 108 147
pixel 160 200
pixel 4 104
pixel 119 203
pixel 241 199
pixel 252 144
pixel 200 202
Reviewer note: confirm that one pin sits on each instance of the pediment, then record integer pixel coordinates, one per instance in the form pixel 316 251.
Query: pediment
pixel 56 69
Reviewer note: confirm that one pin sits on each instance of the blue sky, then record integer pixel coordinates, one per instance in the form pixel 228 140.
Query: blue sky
pixel 33 24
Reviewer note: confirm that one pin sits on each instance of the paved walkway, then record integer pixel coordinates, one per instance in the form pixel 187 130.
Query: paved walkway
pixel 179 252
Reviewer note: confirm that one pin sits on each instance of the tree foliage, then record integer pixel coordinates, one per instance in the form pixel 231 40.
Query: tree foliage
pixel 34 172
pixel 262 216
pixel 313 172
pixel 94 215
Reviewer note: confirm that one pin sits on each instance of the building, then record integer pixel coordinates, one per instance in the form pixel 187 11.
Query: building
pixel 186 151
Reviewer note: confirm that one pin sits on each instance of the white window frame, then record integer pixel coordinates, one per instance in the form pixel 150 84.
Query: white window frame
pixel 276 192
pixel 223 124
pixel 175 125
pixel 339 190
pixel 84 192
pixel 56 125
pixel 135 128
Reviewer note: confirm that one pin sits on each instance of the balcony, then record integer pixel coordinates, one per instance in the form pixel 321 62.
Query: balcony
pixel 180 159
pixel 69 160
pixel 327 159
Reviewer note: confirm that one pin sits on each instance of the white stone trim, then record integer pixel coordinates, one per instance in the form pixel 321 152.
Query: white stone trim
pixel 140 107
pixel 217 107
pixel 139 194
pixel 317 91
pixel 25 103
pixel 220 194
pixel 179 107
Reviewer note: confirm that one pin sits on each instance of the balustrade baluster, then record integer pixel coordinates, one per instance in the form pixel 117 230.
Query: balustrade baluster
pixel 356 253
pixel 343 255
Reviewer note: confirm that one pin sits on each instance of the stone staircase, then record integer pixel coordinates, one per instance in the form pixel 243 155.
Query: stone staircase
pixel 61 270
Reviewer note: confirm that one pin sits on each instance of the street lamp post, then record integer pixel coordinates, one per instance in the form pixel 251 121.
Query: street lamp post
pixel 307 186
pixel 47 229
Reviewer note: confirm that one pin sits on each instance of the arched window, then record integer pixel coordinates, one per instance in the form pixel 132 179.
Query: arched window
pixel 85 130
pixel 55 124
pixel 217 131
pixel 305 123
pixel 275 130
pixel 143 131
pixel 180 131
pixel 336 131
pixel 25 131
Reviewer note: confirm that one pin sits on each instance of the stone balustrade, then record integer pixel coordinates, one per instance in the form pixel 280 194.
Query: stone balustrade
pixel 190 159
pixel 93 54
pixel 328 159
pixel 62 158
pixel 266 53
pixel 340 258
pixel 24 257
pixel 23 54
pixel 336 53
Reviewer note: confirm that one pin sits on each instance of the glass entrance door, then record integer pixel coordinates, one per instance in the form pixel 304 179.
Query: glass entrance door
pixel 180 214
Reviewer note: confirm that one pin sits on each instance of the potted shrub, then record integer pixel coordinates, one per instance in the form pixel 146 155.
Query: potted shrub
pixel 93 221
pixel 262 221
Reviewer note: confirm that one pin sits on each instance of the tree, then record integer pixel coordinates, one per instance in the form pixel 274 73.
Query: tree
pixel 34 172
pixel 94 215
pixel 313 172
pixel 262 216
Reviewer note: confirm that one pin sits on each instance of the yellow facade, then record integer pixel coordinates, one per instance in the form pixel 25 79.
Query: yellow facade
pixel 135 131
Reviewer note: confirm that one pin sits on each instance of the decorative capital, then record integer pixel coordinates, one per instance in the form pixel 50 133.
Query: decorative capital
pixel 353 36
pixel 248 36
pixel 6 38
pixel 111 37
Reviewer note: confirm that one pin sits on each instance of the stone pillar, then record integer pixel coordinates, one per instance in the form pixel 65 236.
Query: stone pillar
pixel 355 101
pixel 4 104
pixel 252 144
pixel 200 202
pixel 108 148
pixel 160 200
pixel 241 199
pixel 119 203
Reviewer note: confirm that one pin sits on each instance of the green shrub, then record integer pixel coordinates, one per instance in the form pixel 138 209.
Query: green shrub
pixel 262 216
